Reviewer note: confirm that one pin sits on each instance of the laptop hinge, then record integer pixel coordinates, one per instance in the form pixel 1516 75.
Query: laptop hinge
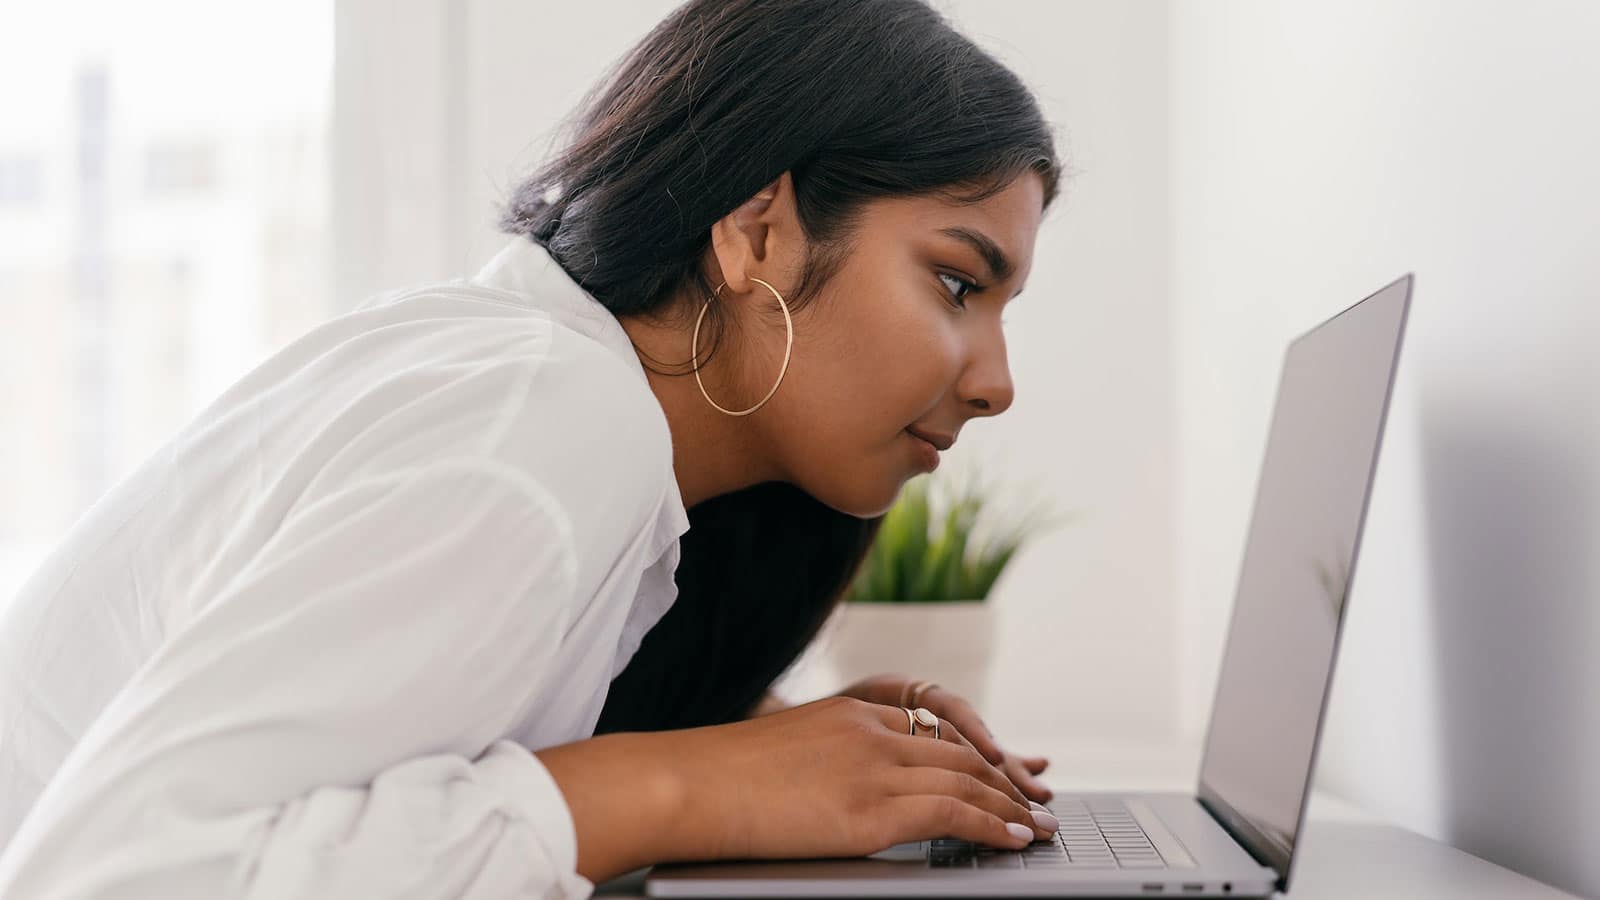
pixel 1238 838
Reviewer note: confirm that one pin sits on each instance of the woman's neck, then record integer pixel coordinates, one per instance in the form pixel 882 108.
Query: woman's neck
pixel 713 453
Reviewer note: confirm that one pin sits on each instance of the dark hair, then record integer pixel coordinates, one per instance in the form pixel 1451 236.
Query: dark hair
pixel 857 100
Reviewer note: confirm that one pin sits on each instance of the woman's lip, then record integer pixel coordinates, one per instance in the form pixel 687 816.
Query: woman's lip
pixel 939 441
pixel 929 453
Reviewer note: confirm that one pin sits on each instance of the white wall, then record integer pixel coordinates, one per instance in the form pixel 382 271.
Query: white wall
pixel 442 105
pixel 1320 150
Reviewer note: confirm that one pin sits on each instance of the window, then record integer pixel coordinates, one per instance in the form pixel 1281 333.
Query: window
pixel 163 227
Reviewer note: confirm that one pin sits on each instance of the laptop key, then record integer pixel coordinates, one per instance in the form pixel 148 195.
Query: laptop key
pixel 1069 864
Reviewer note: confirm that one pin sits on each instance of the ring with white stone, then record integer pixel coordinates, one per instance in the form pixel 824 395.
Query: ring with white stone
pixel 925 721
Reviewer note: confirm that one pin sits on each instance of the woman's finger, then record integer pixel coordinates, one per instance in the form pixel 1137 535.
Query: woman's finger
pixel 1030 786
pixel 1034 765
pixel 1004 778
pixel 953 751
pixel 897 718
pixel 913 780
pixel 951 732
pixel 959 711
pixel 922 816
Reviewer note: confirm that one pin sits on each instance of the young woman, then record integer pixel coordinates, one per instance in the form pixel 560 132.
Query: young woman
pixel 477 590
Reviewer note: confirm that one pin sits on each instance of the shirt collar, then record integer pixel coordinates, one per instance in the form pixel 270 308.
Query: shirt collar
pixel 526 268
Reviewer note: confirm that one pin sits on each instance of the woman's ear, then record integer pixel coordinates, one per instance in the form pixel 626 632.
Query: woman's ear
pixel 760 237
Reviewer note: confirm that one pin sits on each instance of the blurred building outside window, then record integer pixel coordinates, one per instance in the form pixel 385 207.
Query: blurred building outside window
pixel 164 210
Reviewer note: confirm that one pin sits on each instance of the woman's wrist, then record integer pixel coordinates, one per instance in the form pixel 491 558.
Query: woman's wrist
pixel 626 796
pixel 700 793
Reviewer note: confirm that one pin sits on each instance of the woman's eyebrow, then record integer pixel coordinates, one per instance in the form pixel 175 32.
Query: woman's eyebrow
pixel 1000 266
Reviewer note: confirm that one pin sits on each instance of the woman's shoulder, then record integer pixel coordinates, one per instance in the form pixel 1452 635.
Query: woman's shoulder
pixel 501 373
pixel 524 382
pixel 586 424
pixel 456 370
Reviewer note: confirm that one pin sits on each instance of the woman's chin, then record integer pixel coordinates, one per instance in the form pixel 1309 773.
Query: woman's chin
pixel 863 491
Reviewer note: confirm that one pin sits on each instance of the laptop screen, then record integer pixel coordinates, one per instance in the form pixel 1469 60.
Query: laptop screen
pixel 1316 475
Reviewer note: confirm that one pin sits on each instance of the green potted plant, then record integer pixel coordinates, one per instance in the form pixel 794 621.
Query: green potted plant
pixel 920 603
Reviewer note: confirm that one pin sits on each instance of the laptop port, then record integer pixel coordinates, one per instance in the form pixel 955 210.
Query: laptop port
pixel 1189 886
pixel 1154 886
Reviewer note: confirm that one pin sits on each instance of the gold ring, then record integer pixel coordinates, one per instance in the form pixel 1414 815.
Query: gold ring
pixel 911 721
pixel 911 690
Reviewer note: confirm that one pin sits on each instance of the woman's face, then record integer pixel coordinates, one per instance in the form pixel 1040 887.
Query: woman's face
pixel 906 335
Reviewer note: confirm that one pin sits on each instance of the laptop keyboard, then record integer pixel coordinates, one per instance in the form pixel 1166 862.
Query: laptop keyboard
pixel 1095 834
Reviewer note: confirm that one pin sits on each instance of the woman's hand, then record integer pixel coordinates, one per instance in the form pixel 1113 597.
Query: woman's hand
pixel 946 705
pixel 838 777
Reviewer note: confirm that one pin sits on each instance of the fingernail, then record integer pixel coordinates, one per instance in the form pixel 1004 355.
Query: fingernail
pixel 1045 820
pixel 1019 831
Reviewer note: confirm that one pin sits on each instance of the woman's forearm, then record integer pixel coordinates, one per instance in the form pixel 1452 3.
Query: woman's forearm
pixel 626 801
pixel 628 798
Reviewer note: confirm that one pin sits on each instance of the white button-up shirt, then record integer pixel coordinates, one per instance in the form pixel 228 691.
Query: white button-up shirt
pixel 304 649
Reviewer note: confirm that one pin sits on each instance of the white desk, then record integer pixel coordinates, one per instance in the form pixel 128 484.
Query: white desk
pixel 1343 852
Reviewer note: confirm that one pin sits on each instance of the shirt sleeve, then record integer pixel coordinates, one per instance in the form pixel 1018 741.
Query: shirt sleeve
pixel 331 725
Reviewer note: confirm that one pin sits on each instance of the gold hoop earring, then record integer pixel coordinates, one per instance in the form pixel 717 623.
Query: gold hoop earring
pixel 694 349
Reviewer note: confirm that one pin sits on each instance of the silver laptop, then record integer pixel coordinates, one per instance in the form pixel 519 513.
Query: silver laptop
pixel 1235 835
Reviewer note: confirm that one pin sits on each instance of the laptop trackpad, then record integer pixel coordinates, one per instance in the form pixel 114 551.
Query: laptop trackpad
pixel 909 850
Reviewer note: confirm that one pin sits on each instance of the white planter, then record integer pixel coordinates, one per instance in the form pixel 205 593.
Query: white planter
pixel 948 643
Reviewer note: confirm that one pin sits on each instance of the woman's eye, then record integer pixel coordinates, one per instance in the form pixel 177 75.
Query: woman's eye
pixel 961 296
